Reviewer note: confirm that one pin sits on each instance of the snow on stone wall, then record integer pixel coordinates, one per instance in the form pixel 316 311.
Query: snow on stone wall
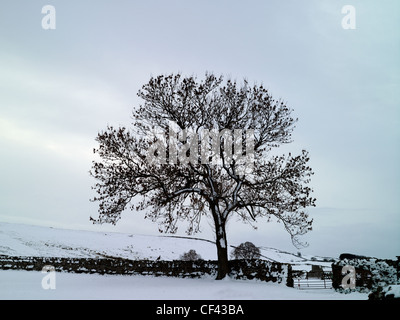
pixel 370 273
pixel 240 269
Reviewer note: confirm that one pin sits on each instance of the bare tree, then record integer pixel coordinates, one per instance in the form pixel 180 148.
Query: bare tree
pixel 246 250
pixel 184 180
pixel 191 255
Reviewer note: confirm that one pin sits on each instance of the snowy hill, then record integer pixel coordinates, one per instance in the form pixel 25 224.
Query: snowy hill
pixel 28 240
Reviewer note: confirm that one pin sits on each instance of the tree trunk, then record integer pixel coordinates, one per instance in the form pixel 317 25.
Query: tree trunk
pixel 222 244
pixel 222 251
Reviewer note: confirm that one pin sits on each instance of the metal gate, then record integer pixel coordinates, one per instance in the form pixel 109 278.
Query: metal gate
pixel 313 283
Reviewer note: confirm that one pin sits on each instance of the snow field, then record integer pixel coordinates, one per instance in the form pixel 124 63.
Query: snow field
pixel 28 240
pixel 27 285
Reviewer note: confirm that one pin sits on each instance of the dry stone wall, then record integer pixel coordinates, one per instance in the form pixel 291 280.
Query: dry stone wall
pixel 240 269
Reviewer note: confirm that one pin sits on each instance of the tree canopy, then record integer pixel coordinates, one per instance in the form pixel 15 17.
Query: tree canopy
pixel 203 149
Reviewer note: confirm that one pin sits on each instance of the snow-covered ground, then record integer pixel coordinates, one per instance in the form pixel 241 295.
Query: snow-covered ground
pixel 28 285
pixel 392 290
pixel 27 240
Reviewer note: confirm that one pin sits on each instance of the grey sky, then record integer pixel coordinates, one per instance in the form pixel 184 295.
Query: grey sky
pixel 59 87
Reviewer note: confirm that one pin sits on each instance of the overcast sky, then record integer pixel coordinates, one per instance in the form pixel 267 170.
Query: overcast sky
pixel 59 87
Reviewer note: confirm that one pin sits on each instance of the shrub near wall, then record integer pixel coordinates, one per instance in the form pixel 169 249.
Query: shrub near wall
pixel 262 270
pixel 370 273
pixel 240 269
